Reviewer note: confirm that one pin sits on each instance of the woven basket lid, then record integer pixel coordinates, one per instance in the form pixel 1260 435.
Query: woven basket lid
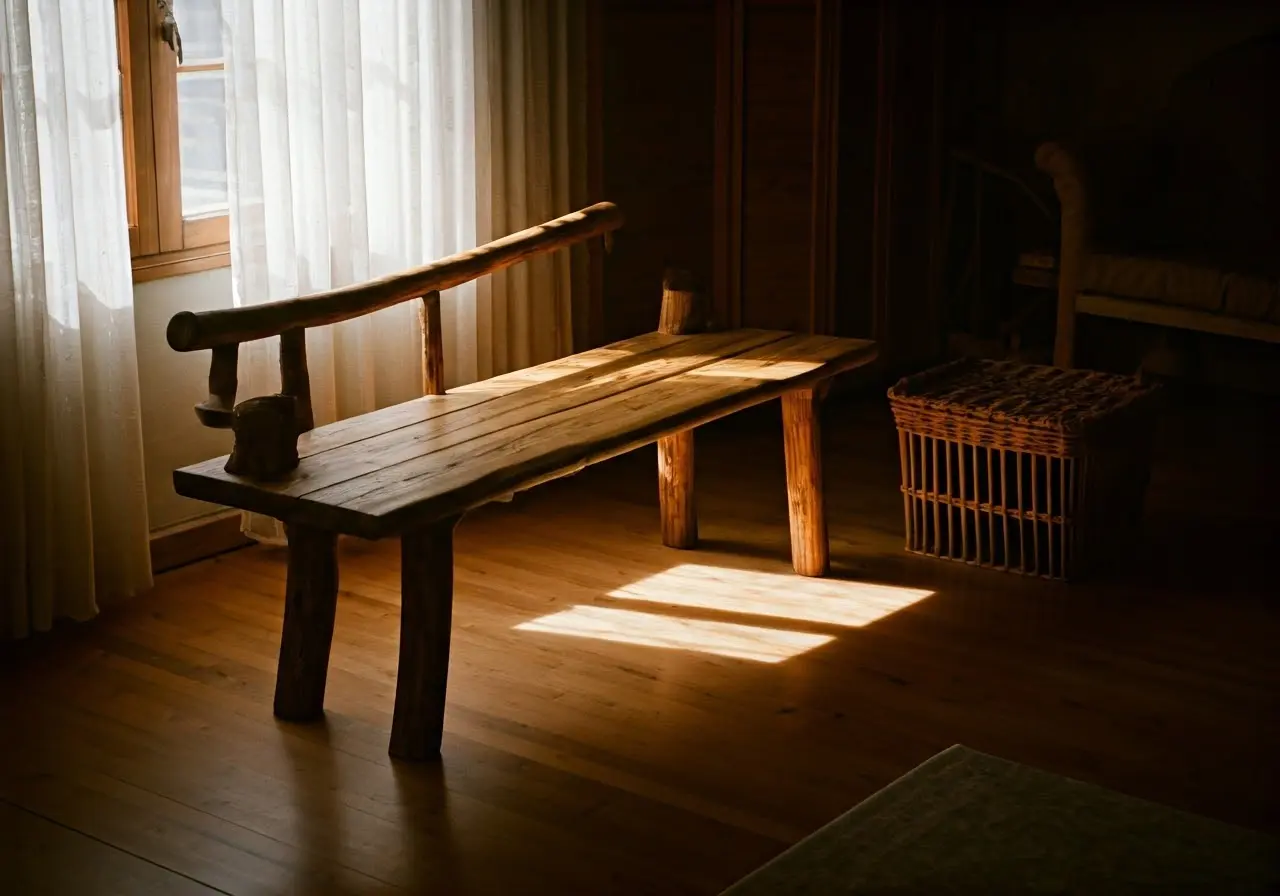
pixel 1049 398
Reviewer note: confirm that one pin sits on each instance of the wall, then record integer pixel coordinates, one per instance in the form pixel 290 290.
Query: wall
pixel 1094 71
pixel 890 139
pixel 658 146
pixel 665 111
pixel 661 60
pixel 777 163
pixel 171 383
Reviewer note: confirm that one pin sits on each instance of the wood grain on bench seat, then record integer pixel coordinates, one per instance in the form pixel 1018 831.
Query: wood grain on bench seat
pixel 437 456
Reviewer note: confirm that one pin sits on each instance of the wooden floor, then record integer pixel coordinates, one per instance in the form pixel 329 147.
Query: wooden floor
pixel 138 753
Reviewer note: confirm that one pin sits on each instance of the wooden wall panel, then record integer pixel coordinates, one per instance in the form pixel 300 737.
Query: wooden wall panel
pixel 658 146
pixel 726 278
pixel 778 90
pixel 824 213
pixel 912 336
pixel 890 157
pixel 707 141
pixel 861 153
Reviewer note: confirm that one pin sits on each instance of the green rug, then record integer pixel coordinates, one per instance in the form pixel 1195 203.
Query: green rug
pixel 965 822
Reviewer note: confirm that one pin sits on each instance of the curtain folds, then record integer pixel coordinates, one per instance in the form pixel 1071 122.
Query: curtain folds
pixel 366 138
pixel 73 530
pixel 351 138
pixel 531 131
pixel 351 134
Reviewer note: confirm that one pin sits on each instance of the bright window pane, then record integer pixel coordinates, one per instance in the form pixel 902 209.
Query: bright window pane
pixel 202 127
pixel 200 22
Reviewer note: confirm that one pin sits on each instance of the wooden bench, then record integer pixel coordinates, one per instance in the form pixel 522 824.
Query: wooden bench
pixel 412 470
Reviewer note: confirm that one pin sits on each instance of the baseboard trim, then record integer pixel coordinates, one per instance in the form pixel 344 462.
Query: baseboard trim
pixel 197 539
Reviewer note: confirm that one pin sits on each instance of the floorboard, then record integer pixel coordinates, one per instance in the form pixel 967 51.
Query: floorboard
pixel 148 759
pixel 41 858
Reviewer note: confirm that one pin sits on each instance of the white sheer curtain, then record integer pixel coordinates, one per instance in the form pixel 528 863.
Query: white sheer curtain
pixel 352 141
pixel 73 512
pixel 369 137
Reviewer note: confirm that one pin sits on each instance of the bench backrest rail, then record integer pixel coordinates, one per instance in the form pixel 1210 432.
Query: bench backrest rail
pixel 223 330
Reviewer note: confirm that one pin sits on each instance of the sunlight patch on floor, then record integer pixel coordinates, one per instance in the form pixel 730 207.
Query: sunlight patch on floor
pixel 778 595
pixel 747 642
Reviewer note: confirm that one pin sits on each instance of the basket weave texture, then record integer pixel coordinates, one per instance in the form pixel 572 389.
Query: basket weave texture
pixel 1004 404
pixel 1019 467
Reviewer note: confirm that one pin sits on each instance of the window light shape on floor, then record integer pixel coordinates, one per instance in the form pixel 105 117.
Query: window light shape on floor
pixel 747 642
pixel 827 601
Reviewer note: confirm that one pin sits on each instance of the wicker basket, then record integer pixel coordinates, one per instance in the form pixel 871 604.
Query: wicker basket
pixel 1030 469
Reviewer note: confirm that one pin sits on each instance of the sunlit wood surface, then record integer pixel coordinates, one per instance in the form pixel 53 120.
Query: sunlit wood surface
pixel 138 754
pixel 432 458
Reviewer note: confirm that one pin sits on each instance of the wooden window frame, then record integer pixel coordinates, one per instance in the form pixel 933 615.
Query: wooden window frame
pixel 161 242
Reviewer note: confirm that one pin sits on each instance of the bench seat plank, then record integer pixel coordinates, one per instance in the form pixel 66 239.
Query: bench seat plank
pixel 436 457
pixel 552 375
pixel 450 424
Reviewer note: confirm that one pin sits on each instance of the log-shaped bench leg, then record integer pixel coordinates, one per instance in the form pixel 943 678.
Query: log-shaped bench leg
pixel 802 442
pixel 426 617
pixel 682 313
pixel 311 598
pixel 675 490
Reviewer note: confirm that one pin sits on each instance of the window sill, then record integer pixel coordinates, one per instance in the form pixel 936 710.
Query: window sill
pixel 183 261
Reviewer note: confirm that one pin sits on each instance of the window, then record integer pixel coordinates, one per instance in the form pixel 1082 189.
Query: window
pixel 175 129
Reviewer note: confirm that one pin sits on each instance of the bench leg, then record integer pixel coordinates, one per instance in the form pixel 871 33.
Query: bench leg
pixel 802 441
pixel 311 598
pixel 675 490
pixel 426 617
